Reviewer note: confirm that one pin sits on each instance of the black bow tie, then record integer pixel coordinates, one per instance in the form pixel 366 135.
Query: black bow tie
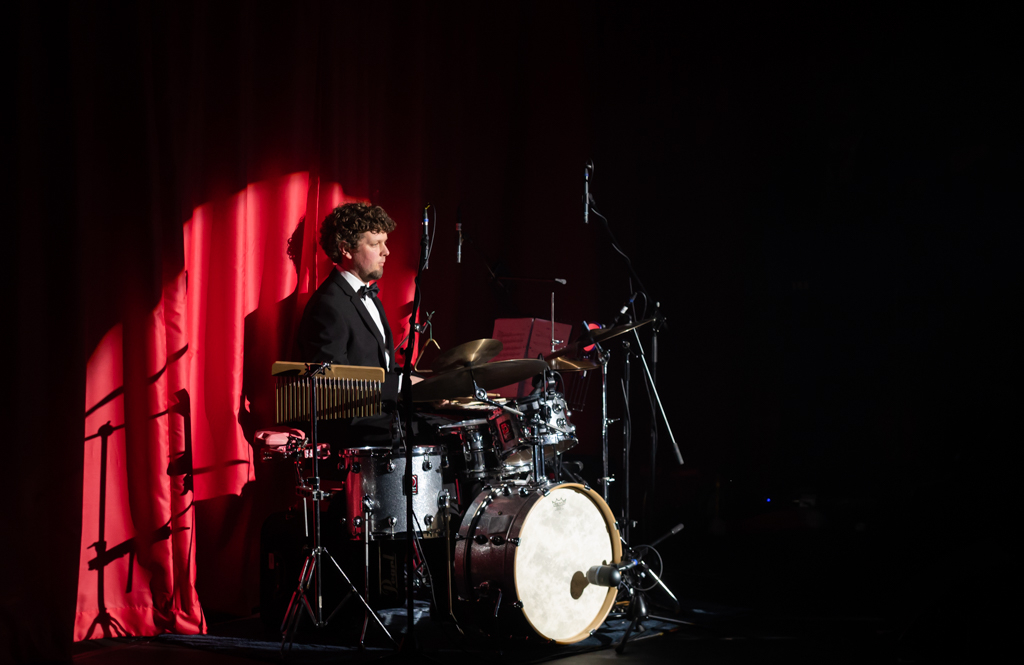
pixel 372 290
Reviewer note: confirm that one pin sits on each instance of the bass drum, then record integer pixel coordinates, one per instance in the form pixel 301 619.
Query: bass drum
pixel 525 552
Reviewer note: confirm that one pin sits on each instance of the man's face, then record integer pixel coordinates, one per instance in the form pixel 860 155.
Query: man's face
pixel 367 259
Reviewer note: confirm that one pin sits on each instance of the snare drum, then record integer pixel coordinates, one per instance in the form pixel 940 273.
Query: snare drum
pixel 373 491
pixel 532 548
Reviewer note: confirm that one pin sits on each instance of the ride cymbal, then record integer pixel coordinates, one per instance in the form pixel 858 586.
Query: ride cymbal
pixel 459 382
pixel 596 337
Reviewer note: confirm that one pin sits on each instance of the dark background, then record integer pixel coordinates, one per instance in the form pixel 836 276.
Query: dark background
pixel 825 205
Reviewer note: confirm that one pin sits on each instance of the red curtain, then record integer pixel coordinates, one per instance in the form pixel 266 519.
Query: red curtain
pixel 177 426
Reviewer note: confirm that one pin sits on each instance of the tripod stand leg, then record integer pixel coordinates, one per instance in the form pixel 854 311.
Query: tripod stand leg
pixel 366 605
pixel 290 623
pixel 637 613
pixel 366 574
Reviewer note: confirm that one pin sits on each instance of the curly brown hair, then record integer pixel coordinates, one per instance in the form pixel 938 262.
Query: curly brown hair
pixel 346 223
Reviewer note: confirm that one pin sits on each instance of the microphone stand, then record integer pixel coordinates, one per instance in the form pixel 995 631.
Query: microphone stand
pixel 409 643
pixel 633 574
pixel 649 377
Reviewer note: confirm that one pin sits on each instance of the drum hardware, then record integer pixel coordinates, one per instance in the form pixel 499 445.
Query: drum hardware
pixel 632 573
pixel 312 568
pixel 627 421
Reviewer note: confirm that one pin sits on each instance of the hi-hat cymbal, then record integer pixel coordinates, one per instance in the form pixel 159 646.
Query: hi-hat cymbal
pixel 459 382
pixel 561 364
pixel 597 337
pixel 469 354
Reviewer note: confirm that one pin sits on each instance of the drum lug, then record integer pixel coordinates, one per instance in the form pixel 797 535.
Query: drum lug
pixel 544 491
pixel 356 467
pixel 523 491
pixel 427 466
pixel 514 541
pixel 392 521
pixel 390 466
pixel 518 605
pixel 480 538
pixel 586 486
pixel 497 540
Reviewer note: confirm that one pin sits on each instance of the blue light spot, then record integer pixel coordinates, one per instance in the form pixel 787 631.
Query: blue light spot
pixel 769 499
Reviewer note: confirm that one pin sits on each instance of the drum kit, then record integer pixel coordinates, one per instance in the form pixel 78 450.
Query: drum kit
pixel 522 548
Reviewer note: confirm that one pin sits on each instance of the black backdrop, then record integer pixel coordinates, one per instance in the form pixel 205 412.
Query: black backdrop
pixel 824 205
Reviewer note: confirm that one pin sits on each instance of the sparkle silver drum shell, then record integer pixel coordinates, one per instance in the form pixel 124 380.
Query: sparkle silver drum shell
pixel 373 482
pixel 552 410
pixel 533 548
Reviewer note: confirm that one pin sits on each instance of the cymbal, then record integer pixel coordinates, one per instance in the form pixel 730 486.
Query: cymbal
pixel 469 354
pixel 561 364
pixel 459 382
pixel 596 337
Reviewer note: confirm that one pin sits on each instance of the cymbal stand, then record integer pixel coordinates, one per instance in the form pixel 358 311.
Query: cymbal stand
pixel 606 479
pixel 630 348
pixel 627 440
pixel 312 568
pixel 634 571
pixel 657 397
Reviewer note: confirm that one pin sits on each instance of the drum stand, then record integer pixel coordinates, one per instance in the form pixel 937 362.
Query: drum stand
pixel 312 568
pixel 638 601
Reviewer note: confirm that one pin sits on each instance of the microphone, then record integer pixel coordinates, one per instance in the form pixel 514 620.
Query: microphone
pixel 604 576
pixel 609 575
pixel 586 193
pixel 426 236
pixel 458 250
pixel 625 308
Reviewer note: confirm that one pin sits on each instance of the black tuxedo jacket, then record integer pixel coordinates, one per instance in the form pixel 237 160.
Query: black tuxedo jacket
pixel 336 327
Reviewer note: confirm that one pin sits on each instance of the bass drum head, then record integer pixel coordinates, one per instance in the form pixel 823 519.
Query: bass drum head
pixel 562 536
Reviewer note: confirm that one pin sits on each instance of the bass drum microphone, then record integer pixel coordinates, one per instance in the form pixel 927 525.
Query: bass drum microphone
pixel 610 576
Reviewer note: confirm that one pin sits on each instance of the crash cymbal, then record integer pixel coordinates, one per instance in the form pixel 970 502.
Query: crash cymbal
pixel 459 382
pixel 597 337
pixel 469 354
pixel 562 364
